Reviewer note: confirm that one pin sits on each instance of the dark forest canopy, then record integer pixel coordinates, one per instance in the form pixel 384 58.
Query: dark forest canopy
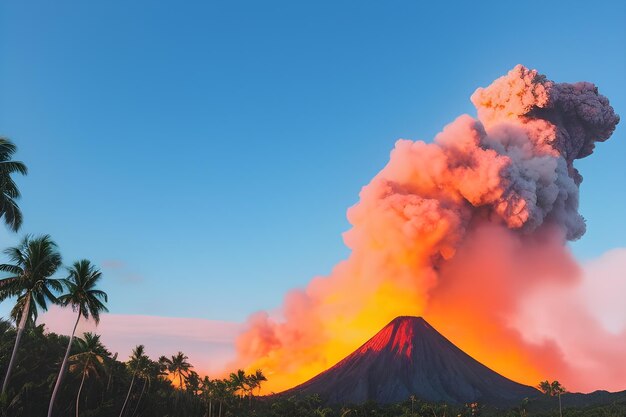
pixel 107 383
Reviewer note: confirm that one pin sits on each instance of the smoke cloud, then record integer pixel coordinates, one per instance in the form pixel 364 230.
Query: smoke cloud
pixel 468 231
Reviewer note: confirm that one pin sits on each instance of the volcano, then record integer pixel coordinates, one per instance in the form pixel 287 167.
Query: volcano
pixel 409 357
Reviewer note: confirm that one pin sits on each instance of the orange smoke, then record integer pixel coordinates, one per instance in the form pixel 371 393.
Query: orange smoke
pixel 461 231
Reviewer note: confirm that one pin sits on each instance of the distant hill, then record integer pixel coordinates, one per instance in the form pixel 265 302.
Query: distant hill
pixel 578 401
pixel 409 357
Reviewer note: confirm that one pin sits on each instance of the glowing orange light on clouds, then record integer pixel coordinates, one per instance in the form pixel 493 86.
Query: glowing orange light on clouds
pixel 460 231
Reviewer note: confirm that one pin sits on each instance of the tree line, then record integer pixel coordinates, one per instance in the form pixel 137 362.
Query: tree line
pixel 98 384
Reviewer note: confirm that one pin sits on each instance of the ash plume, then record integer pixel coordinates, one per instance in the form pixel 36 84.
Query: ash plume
pixel 461 231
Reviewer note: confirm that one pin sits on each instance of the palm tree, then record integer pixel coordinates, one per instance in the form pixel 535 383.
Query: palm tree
pixel 146 370
pixel 193 383
pixel 178 367
pixel 8 190
pixel 33 262
pixel 238 382
pixel 135 363
pixel 256 379
pixel 223 389
pixel 112 361
pixel 252 382
pixel 558 389
pixel 208 390
pixel 553 389
pixel 84 298
pixel 89 360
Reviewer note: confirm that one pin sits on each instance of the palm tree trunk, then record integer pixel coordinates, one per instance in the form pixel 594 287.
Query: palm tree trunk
pixel 20 330
pixel 220 413
pixel 110 371
pixel 80 389
pixel 139 400
pixel 132 381
pixel 62 371
pixel 179 392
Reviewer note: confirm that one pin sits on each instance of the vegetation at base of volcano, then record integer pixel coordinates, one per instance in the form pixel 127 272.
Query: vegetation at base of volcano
pixel 155 388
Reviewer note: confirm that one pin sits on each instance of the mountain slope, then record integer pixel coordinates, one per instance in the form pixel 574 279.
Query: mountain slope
pixel 409 357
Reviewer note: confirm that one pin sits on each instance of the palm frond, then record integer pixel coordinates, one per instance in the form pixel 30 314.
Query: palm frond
pixel 11 212
pixel 10 167
pixel 12 269
pixel 8 187
pixel 7 149
pixel 100 294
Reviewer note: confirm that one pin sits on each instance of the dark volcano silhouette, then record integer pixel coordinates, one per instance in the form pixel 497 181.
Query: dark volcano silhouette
pixel 409 357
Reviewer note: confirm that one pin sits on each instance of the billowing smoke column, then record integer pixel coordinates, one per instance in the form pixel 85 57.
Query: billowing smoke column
pixel 464 231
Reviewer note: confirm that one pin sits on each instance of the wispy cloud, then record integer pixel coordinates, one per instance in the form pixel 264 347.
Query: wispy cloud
pixel 113 264
pixel 120 271
pixel 208 343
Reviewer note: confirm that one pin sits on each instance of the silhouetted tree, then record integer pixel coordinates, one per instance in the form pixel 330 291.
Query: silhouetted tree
pixel 89 361
pixel 135 363
pixel 238 382
pixel 85 299
pixel 33 262
pixel 256 379
pixel 178 367
pixel 553 389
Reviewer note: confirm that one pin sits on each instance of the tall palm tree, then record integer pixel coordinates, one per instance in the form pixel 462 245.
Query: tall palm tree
pixel 85 299
pixel 558 389
pixel 239 382
pixel 553 389
pixel 252 382
pixel 178 367
pixel 256 379
pixel 208 391
pixel 135 363
pixel 33 262
pixel 223 389
pixel 147 370
pixel 193 382
pixel 111 362
pixel 90 360
pixel 9 192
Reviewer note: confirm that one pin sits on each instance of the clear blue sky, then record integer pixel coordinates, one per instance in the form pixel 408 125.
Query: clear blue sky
pixel 208 151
